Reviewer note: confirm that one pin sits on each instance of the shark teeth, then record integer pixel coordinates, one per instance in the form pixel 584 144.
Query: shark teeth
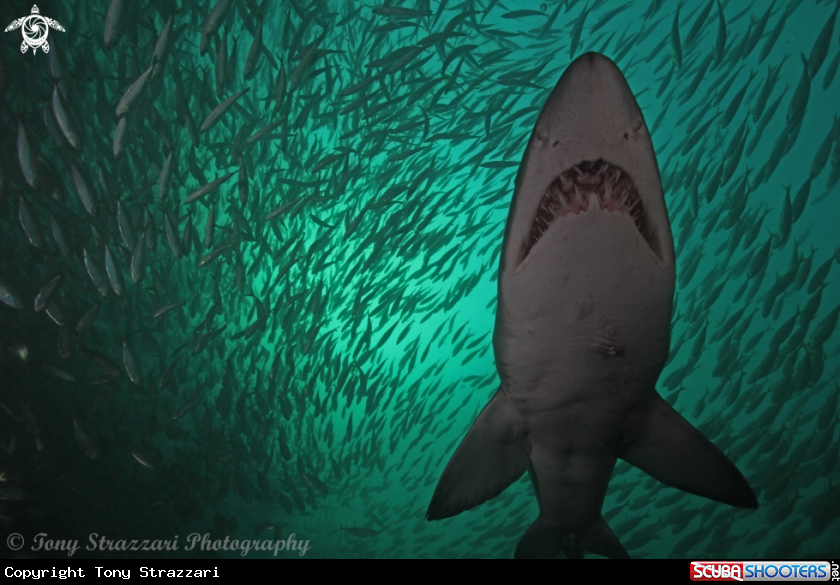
pixel 569 194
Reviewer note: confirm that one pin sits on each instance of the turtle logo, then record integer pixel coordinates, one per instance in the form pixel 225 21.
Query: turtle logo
pixel 35 29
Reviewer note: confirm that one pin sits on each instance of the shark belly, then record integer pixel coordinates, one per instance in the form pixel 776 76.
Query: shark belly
pixel 571 468
pixel 588 324
pixel 578 371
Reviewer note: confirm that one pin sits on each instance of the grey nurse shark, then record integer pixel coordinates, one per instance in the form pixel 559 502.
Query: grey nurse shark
pixel 586 288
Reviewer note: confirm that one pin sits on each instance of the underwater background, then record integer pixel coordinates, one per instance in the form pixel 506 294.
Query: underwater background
pixel 248 257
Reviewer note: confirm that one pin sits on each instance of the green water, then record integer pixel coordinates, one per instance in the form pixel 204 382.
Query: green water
pixel 332 354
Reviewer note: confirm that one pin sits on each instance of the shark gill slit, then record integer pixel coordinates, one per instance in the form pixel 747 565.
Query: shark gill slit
pixel 568 194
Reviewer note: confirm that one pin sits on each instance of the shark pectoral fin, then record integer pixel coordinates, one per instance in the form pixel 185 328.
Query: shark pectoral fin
pixel 664 445
pixel 546 539
pixel 493 455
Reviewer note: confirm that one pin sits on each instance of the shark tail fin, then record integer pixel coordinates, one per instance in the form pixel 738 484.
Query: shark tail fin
pixel 492 456
pixel 547 539
pixel 664 445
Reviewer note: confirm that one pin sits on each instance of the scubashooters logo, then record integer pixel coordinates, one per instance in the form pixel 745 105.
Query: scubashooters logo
pixel 35 29
pixel 792 571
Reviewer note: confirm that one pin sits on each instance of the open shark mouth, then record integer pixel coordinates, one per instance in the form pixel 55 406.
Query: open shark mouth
pixel 569 195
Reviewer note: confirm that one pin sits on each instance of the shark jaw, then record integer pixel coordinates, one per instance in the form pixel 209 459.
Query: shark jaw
pixel 609 187
pixel 582 333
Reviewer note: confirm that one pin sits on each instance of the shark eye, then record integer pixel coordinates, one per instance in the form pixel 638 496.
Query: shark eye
pixel 569 195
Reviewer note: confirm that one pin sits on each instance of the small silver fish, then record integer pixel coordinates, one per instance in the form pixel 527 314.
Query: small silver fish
pixel 87 440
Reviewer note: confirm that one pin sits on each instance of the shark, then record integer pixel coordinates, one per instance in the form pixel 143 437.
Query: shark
pixel 582 331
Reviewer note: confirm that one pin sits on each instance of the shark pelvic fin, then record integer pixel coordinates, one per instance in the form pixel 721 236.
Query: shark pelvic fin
pixel 493 455
pixel 664 445
pixel 546 539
